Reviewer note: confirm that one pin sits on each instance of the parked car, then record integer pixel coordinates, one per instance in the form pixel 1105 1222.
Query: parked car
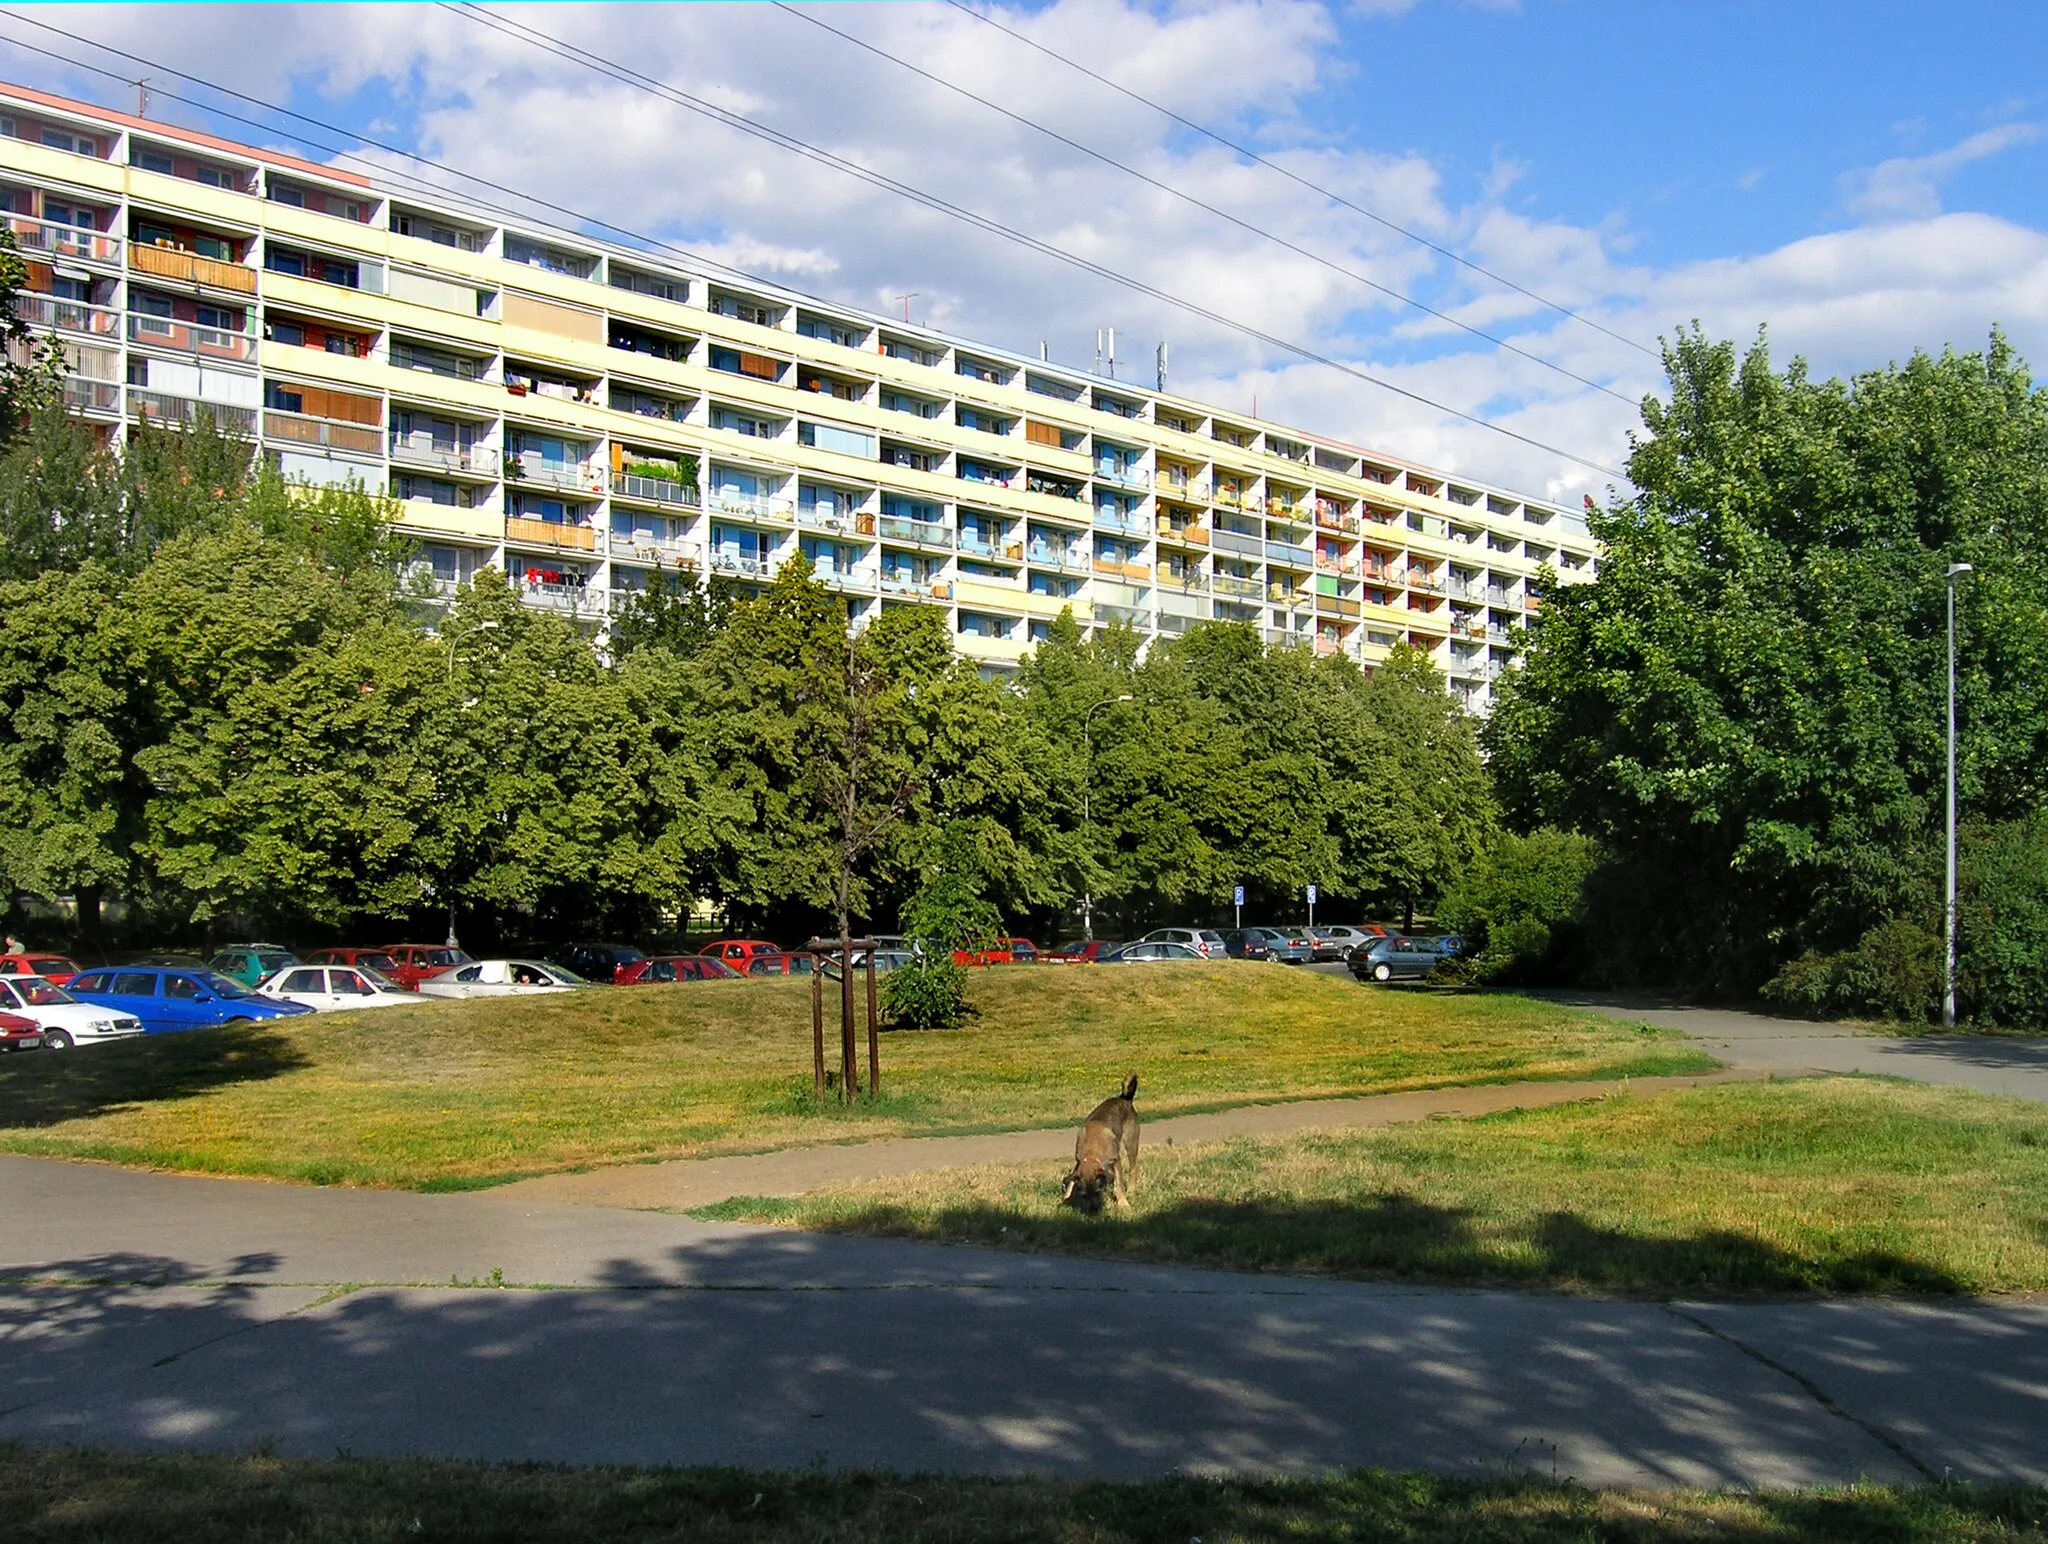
pixel 171 1000
pixel 1392 958
pixel 251 964
pixel 1149 951
pixel 737 951
pixel 64 1019
pixel 1246 943
pixel 676 967
pixel 379 960
pixel 1205 941
pixel 168 961
pixel 596 962
pixel 19 1034
pixel 1448 946
pixel 336 988
pixel 1090 952
pixel 51 967
pixel 886 960
pixel 501 978
pixel 413 963
pixel 1290 946
pixel 1023 951
pixel 797 963
pixel 1347 939
pixel 984 951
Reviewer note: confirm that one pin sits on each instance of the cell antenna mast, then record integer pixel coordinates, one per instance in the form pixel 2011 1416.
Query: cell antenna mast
pixel 1159 363
pixel 906 300
pixel 142 97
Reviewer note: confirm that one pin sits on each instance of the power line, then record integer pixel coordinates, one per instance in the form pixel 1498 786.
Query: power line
pixel 626 75
pixel 1301 181
pixel 1188 198
pixel 657 88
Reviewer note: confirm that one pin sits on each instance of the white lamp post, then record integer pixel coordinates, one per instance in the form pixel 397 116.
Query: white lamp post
pixel 1948 930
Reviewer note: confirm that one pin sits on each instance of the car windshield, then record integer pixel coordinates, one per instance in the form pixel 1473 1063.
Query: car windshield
pixel 220 985
pixel 375 962
pixel 441 959
pixel 274 962
pixel 38 993
pixel 377 978
pixel 563 974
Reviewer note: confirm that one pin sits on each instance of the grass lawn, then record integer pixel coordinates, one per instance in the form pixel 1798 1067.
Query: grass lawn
pixel 451 1094
pixel 91 1498
pixel 1844 1184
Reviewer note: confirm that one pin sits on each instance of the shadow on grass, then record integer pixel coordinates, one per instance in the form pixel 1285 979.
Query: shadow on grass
pixel 47 1497
pixel 45 1088
pixel 1387 1235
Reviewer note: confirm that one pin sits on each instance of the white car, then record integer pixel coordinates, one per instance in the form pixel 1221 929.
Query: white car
pixel 1205 941
pixel 65 1020
pixel 500 978
pixel 336 988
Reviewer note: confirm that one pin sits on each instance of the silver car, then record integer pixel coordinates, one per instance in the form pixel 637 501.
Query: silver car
pixel 1205 941
pixel 1290 946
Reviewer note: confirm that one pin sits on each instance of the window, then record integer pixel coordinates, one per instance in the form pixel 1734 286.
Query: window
pixel 407 355
pixel 282 398
pixel 758 313
pixel 349 983
pixel 736 362
pixel 897 348
pixel 217 177
pixel 222 320
pixel 897 402
pixel 301 981
pixel 158 161
pixel 149 304
pixel 1045 386
pixel 285 332
pixel 635 341
pixel 552 259
pixel 134 983
pixel 742 423
pixel 284 260
pixel 406 223
pixel 677 290
pixel 77 144
pixel 847 442
pixel 827 330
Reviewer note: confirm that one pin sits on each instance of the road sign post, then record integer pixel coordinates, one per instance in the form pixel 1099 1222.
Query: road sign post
pixel 1237 903
pixel 1311 905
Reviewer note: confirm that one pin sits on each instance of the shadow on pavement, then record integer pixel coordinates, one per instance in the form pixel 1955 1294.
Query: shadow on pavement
pixel 45 1088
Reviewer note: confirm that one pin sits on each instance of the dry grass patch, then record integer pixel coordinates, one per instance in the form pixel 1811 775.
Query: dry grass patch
pixel 453 1094
pixel 1843 1184
pixel 98 1498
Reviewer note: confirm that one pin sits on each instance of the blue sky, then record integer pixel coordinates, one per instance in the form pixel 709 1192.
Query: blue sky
pixel 1862 180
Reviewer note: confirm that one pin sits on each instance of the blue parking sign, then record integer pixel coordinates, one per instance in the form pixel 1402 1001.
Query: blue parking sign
pixel 1311 895
pixel 1237 896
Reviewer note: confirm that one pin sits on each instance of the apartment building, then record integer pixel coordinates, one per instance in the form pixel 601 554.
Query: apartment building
pixel 585 417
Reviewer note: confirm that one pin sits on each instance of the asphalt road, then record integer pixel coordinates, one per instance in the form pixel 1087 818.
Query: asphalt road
pixel 159 1311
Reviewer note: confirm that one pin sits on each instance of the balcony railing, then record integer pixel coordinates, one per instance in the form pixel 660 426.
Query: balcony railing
pixel 1050 557
pixel 207 342
pixel 303 429
pixel 1230 584
pixel 753 506
pixel 1336 520
pixel 1348 567
pixel 1186 535
pixel 1142 572
pixel 190 268
pixel 1238 542
pixel 726 562
pixel 86 396
pixel 176 412
pixel 550 533
pixel 653 490
pixel 1288 553
pixel 1426 582
pixel 419 449
pixel 649 548
pixel 896 528
pixel 575 599
pixel 897 582
pixel 1194 490
pixel 1125 525
pixel 569 476
pixel 1496 595
pixel 50 239
pixel 850 523
pixel 67 315
pixel 861 580
pixel 1235 498
pixel 1004 551
pixel 1123 477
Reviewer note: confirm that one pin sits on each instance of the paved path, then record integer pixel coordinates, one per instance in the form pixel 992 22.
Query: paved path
pixel 683 1183
pixel 162 1311
pixel 1995 1064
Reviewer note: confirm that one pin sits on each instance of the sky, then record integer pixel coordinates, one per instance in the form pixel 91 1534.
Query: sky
pixel 1859 180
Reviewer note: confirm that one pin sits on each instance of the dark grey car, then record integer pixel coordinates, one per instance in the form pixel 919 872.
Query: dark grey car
pixel 1289 946
pixel 1393 959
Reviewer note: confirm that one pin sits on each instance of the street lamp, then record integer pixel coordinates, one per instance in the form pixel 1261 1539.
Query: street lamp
pixel 454 642
pixel 1087 779
pixel 1948 929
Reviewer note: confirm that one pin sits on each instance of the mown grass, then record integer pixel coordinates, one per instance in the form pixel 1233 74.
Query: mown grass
pixel 447 1095
pixel 76 1497
pixel 1843 1184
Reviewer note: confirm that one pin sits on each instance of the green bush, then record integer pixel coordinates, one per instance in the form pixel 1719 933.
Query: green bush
pixel 1521 906
pixel 1894 972
pixel 929 994
pixel 2002 924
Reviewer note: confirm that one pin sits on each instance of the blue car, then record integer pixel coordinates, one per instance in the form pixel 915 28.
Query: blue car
pixel 168 1000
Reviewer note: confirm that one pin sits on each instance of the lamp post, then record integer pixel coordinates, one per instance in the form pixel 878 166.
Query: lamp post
pixel 455 642
pixel 1087 780
pixel 1948 928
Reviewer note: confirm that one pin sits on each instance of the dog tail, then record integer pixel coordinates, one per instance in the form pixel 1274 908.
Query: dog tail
pixel 1131 1086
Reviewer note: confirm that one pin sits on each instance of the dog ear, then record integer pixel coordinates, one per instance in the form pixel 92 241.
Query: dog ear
pixel 1131 1086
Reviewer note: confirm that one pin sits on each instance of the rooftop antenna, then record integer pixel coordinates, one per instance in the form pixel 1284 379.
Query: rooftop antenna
pixel 1112 353
pixel 906 299
pixel 1043 354
pixel 142 97
pixel 1159 361
pixel 1098 351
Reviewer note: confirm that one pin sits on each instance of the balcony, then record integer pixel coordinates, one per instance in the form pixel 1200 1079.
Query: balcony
pixel 750 506
pixel 420 449
pixel 1336 605
pixel 1110 569
pixel 176 412
pixel 1330 518
pixel 1192 490
pixel 899 582
pixel 1130 616
pixel 1497 595
pixel 1348 567
pixel 1231 584
pixel 1326 646
pixel 1227 540
pixel 854 579
pixel 1123 476
pixel 646 547
pixel 569 476
pixel 1290 554
pixel 1010 552
pixel 190 268
pixel 334 434
pixel 86 396
pixel 67 315
pixel 163 332
pixel 48 239
pixel 725 561
pixel 1052 557
pixel 1428 583
pixel 1235 498
pixel 1123 525
pixel 653 490
pixel 1186 535
pixel 574 600
pixel 549 533
pixel 924 533
pixel 1287 595
pixel 850 523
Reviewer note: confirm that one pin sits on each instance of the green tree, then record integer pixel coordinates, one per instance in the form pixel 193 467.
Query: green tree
pixel 1746 708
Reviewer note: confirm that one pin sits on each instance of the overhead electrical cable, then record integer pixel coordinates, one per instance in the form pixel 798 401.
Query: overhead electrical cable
pixel 1254 229
pixel 746 125
pixel 1295 177
pixel 626 75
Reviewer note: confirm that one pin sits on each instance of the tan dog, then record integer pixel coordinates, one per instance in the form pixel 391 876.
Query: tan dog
pixel 1105 1153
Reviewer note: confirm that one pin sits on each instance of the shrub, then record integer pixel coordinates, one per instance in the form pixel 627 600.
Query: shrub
pixel 1521 906
pixel 1894 972
pixel 928 994
pixel 2002 923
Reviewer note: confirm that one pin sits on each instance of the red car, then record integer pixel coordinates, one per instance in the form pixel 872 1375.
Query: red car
pixel 797 964
pixel 1023 951
pixel 53 968
pixel 737 951
pixel 19 1034
pixel 379 960
pixel 984 951
pixel 674 967
pixel 413 963
pixel 1089 953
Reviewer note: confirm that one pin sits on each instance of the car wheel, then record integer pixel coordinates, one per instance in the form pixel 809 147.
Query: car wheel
pixel 57 1040
pixel 238 1019
pixel 1383 972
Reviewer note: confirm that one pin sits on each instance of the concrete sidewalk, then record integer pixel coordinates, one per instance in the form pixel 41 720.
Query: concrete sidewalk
pixel 682 1183
pixel 156 1311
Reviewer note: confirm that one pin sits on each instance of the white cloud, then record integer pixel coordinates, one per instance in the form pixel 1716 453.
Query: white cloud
pixel 488 104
